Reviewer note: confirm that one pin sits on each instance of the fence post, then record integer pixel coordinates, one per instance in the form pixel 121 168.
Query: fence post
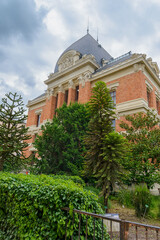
pixel 124 230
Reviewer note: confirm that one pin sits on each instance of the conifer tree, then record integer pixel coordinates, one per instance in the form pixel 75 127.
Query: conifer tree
pixel 105 148
pixel 13 133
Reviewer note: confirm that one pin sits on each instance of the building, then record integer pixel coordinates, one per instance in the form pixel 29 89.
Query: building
pixel 133 80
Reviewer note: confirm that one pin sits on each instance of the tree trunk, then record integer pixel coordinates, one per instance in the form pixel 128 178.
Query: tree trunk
pixel 106 202
pixel 1 164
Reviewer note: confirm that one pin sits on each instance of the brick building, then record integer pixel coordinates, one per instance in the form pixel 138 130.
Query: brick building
pixel 133 80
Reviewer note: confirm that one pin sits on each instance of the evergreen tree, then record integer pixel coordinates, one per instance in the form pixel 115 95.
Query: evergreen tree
pixel 143 133
pixel 105 148
pixel 13 133
pixel 61 147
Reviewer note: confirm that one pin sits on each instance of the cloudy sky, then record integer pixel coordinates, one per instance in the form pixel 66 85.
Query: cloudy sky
pixel 33 34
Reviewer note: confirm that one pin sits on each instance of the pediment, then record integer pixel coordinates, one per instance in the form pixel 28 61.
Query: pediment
pixel 68 59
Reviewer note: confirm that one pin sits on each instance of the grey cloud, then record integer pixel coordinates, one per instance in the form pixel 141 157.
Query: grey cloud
pixel 19 18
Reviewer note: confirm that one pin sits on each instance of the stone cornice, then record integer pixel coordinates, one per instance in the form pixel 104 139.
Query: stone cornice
pixel 35 101
pixel 86 59
pixel 138 62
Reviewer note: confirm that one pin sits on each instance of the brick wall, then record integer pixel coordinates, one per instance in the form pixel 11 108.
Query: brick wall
pixel 131 86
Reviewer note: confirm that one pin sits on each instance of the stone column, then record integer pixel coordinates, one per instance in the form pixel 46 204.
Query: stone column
pixel 60 96
pixel 71 92
pixel 50 104
pixel 84 87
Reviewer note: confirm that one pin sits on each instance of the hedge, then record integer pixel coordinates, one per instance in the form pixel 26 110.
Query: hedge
pixel 31 207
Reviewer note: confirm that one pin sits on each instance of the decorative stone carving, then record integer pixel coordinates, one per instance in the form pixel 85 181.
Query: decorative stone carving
pixel 139 67
pixel 84 78
pixel 81 80
pixel 71 84
pixel 87 76
pixel 68 59
pixel 61 88
pixel 50 75
pixel 50 92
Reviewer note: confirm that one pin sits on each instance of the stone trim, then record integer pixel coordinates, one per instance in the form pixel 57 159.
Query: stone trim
pixel 113 86
pixel 86 60
pixel 38 112
pixel 35 101
pixel 157 95
pixel 131 106
pixel 149 86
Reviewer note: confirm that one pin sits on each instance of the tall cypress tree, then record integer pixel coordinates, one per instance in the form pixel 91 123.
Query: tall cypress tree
pixel 13 133
pixel 105 148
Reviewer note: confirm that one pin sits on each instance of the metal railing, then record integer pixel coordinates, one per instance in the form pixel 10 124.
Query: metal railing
pixel 127 230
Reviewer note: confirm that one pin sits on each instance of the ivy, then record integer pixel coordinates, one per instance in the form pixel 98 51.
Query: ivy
pixel 31 207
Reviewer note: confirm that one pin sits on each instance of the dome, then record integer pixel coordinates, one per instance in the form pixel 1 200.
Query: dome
pixel 88 45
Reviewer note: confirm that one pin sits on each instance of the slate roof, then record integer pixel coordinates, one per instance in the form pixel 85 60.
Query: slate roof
pixel 39 96
pixel 115 61
pixel 88 45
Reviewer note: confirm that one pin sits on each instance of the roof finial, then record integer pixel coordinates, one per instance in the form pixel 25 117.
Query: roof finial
pixel 97 34
pixel 88 26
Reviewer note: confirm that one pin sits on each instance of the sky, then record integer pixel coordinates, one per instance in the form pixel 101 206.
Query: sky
pixel 34 33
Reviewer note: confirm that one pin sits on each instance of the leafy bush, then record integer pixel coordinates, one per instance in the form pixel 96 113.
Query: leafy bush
pixel 125 197
pixel 158 215
pixel 75 179
pixel 142 200
pixel 31 208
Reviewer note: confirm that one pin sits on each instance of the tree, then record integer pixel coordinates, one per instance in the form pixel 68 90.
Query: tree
pixel 105 148
pixel 13 133
pixel 143 133
pixel 61 147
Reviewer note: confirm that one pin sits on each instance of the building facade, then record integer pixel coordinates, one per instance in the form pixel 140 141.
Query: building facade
pixel 133 81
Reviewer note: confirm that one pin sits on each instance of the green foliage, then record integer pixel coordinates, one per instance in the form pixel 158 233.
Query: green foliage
pixel 143 133
pixel 125 197
pixel 31 208
pixel 158 214
pixel 142 200
pixel 155 207
pixel 105 148
pixel 109 170
pixel 61 146
pixel 75 179
pixel 13 133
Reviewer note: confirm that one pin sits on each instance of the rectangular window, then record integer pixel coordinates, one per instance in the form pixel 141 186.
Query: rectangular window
pixel 77 93
pixel 148 97
pixel 56 102
pixel 66 96
pixel 157 104
pixel 113 96
pixel 38 119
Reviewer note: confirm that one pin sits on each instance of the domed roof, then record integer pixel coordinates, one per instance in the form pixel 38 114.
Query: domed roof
pixel 88 45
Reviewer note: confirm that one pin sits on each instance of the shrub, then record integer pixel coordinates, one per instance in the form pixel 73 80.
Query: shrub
pixel 31 208
pixel 142 200
pixel 158 214
pixel 125 197
pixel 75 179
